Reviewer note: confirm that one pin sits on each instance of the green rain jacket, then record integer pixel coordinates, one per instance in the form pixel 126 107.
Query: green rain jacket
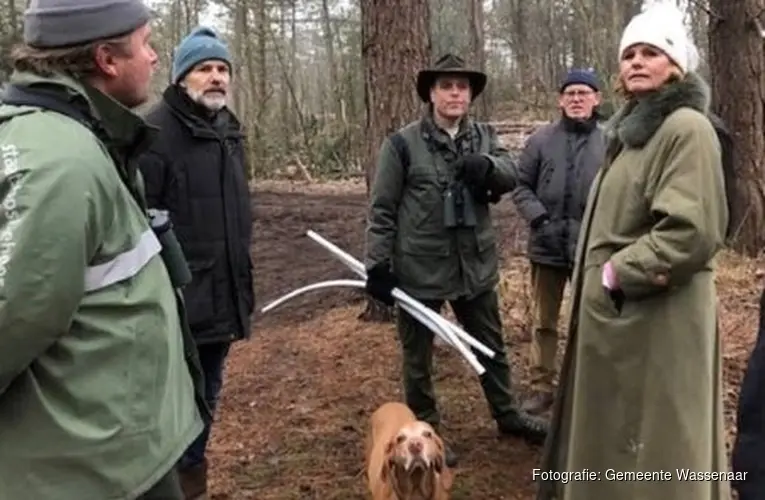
pixel 96 400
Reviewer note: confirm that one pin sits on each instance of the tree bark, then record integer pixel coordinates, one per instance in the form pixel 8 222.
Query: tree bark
pixel 395 45
pixel 477 36
pixel 329 47
pixel 737 73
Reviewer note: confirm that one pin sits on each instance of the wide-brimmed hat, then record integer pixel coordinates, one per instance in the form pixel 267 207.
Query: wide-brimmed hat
pixel 449 64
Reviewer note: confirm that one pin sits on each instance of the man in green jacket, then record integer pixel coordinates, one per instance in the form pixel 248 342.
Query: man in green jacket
pixel 430 234
pixel 96 399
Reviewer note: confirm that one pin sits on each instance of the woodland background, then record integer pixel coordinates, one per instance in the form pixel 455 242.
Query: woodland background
pixel 319 83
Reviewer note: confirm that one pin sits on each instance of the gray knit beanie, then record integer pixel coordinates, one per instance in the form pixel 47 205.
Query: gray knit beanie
pixel 63 23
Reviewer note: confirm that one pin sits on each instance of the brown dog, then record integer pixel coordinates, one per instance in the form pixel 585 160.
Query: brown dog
pixel 405 457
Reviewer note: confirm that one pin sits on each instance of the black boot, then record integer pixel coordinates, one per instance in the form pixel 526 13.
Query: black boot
pixel 520 424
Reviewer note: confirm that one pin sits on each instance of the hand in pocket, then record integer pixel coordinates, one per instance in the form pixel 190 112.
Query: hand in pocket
pixel 550 235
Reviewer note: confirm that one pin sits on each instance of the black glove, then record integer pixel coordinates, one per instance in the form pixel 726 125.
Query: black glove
pixel 538 221
pixel 571 247
pixel 380 283
pixel 473 169
pixel 485 196
pixel 547 233
pixel 574 228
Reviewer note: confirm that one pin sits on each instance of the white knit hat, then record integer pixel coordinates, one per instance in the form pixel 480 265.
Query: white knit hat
pixel 661 24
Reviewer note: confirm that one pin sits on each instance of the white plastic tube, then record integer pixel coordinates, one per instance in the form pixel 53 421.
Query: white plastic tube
pixel 416 312
pixel 442 329
pixel 309 288
pixel 425 319
pixel 357 267
pixel 450 332
pixel 349 260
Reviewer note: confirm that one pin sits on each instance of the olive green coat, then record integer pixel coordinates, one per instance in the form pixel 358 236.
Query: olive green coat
pixel 641 386
pixel 406 218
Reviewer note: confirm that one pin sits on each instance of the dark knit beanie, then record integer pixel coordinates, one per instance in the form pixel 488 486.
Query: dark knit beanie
pixel 580 76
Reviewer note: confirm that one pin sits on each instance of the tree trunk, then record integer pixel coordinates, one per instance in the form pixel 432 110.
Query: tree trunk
pixel 329 47
pixel 395 46
pixel 737 70
pixel 9 36
pixel 477 35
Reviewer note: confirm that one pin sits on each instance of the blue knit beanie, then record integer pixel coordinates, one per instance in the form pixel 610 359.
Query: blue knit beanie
pixel 580 76
pixel 202 44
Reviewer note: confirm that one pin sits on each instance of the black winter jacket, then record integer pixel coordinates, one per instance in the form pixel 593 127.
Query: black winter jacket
pixel 555 173
pixel 196 169
pixel 748 456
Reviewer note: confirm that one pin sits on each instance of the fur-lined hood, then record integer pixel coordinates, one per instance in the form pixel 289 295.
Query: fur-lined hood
pixel 635 123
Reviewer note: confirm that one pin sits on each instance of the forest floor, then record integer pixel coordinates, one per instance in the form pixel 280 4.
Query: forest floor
pixel 297 396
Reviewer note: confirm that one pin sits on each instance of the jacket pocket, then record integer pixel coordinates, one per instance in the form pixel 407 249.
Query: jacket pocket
pixel 432 247
pixel 574 228
pixel 486 267
pixel 486 244
pixel 422 204
pixel 597 297
pixel 617 298
pixel 548 239
pixel 424 262
pixel 199 295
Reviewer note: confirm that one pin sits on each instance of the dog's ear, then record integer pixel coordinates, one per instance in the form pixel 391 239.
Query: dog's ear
pixel 388 464
pixel 446 478
pixel 445 474
pixel 439 462
pixel 387 460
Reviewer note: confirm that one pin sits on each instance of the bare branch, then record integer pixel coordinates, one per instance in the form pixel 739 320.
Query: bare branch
pixel 711 13
pixel 758 25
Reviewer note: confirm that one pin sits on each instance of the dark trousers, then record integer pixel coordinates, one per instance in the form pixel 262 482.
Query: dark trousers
pixel 212 358
pixel 167 488
pixel 480 318
pixel 749 449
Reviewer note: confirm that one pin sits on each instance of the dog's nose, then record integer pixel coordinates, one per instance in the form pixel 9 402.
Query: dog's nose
pixel 415 447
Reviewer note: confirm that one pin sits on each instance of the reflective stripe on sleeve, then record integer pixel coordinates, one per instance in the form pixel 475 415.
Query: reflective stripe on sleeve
pixel 124 265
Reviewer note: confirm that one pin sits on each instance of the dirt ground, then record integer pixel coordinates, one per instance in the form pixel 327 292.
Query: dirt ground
pixel 297 397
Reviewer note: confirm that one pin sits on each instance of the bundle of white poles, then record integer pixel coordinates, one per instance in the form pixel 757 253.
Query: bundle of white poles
pixel 451 333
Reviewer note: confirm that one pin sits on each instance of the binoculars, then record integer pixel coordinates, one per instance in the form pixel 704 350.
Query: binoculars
pixel 172 254
pixel 459 206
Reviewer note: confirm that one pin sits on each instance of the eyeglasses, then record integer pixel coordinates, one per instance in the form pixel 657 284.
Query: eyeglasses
pixel 578 93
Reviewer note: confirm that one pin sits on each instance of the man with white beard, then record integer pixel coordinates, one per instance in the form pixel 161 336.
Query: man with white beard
pixel 196 171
